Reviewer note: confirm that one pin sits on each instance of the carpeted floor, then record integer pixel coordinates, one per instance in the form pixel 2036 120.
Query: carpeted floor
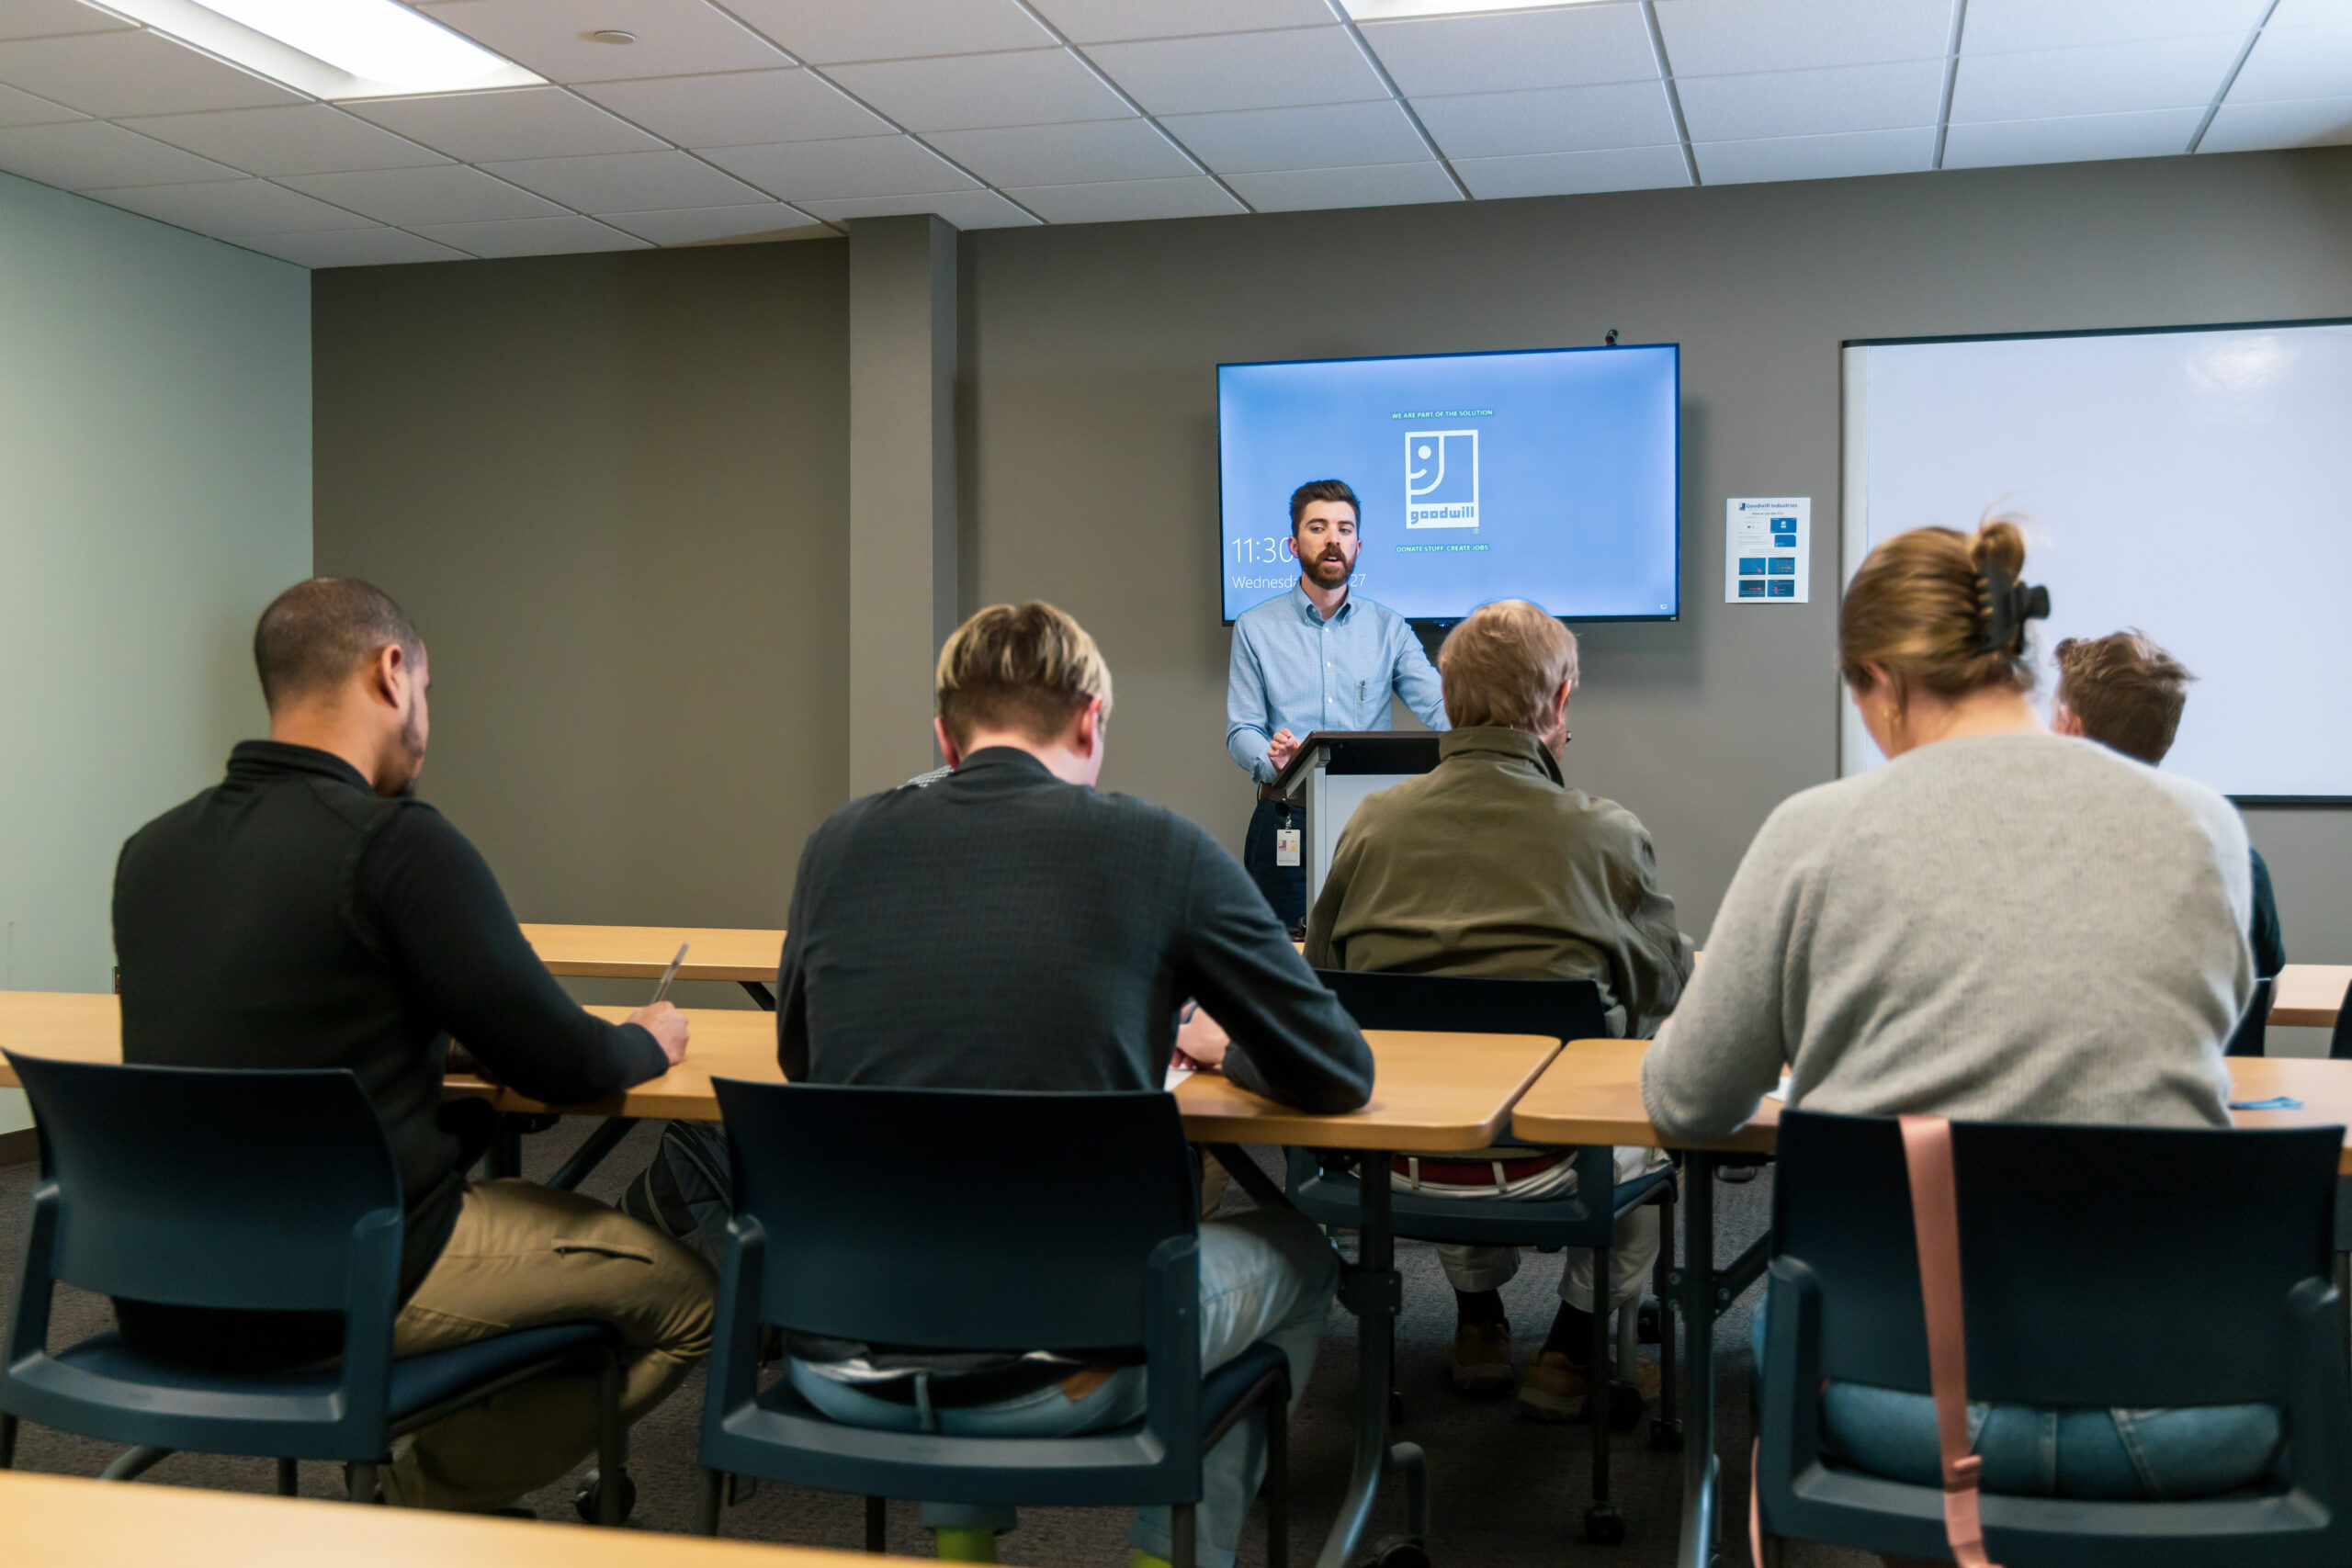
pixel 1505 1491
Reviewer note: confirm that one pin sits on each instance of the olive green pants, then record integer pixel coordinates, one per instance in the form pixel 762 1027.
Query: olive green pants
pixel 523 1256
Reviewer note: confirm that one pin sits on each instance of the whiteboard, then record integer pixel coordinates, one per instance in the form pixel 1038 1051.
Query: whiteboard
pixel 2196 484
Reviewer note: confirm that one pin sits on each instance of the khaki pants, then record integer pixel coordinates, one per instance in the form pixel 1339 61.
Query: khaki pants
pixel 522 1256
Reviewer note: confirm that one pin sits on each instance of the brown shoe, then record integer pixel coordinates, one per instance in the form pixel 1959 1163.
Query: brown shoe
pixel 1482 1358
pixel 1556 1389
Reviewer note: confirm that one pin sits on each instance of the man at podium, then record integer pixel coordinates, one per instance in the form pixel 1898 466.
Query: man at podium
pixel 1316 657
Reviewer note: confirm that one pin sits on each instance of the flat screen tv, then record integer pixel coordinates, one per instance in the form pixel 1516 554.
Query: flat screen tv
pixel 1545 474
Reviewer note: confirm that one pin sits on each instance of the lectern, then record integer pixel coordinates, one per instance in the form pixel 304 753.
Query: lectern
pixel 1332 773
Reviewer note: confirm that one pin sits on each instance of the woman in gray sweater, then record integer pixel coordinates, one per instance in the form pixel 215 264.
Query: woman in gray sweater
pixel 2000 924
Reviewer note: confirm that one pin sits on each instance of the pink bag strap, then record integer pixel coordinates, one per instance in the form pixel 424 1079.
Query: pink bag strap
pixel 1935 1221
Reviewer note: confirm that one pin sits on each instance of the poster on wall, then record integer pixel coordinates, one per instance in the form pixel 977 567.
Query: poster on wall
pixel 1768 541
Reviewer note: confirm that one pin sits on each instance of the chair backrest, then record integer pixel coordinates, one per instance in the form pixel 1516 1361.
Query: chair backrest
pixel 959 1219
pixel 2101 1266
pixel 2253 1035
pixel 212 1188
pixel 2340 1044
pixel 1564 1010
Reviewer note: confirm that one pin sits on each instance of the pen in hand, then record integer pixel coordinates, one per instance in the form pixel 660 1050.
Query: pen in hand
pixel 671 974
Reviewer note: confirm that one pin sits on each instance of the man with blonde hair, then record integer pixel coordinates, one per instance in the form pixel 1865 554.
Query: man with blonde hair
pixel 1490 864
pixel 1009 928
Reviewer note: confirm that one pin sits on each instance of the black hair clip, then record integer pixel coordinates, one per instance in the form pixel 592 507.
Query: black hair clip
pixel 2009 604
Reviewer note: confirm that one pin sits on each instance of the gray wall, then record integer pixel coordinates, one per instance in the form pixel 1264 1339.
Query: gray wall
pixel 155 494
pixel 612 491
pixel 1090 460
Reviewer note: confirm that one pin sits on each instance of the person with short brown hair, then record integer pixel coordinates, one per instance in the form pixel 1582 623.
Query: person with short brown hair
pixel 1009 927
pixel 1493 864
pixel 2127 694
pixel 1998 924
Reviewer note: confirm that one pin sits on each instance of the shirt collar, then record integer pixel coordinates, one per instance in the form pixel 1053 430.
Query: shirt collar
pixel 1313 616
pixel 276 759
pixel 1009 759
pixel 1503 741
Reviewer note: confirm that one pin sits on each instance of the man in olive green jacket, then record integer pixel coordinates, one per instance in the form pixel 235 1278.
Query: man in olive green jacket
pixel 1491 865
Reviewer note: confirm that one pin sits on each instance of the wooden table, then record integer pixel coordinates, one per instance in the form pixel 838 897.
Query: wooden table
pixel 1432 1091
pixel 640 952
pixel 54 1521
pixel 2308 996
pixel 1592 1094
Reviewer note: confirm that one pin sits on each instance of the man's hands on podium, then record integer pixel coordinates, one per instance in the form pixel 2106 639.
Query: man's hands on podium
pixel 668 1027
pixel 1280 748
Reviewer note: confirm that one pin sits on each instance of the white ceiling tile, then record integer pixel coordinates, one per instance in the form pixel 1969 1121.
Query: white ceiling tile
pixel 516 122
pixel 2163 73
pixel 1815 157
pixel 2072 139
pixel 842 170
pixel 443 194
pixel 2305 122
pixel 1065 155
pixel 698 225
pixel 738 109
pixel 532 237
pixel 1317 136
pixel 1120 201
pixel 90 154
pixel 970 92
pixel 230 208
pixel 1578 45
pixel 1106 21
pixel 2001 26
pixel 299 139
pixel 675 38
pixel 1241 71
pixel 1716 38
pixel 23 109
pixel 1574 173
pixel 108 75
pixel 2311 14
pixel 963 209
pixel 353 247
pixel 1549 120
pixel 626 182
pixel 1812 103
pixel 826 31
pixel 2301 63
pixel 1379 185
pixel 43 18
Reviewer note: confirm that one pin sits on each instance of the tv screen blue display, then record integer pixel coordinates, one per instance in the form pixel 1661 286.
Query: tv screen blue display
pixel 1547 475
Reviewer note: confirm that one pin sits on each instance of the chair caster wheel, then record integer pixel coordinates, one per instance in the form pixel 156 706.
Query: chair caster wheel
pixel 1646 1323
pixel 1666 1437
pixel 1625 1406
pixel 1603 1525
pixel 586 1498
pixel 1396 1407
pixel 1400 1551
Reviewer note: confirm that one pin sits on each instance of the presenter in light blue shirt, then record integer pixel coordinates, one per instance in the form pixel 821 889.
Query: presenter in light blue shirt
pixel 1316 657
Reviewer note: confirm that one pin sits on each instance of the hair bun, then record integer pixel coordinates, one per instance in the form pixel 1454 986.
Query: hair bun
pixel 1998 541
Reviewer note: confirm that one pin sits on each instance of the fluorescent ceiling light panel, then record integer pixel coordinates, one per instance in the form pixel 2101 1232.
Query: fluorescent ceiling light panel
pixel 333 49
pixel 1390 10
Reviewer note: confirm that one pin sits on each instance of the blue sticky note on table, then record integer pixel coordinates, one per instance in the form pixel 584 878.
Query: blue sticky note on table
pixel 2283 1103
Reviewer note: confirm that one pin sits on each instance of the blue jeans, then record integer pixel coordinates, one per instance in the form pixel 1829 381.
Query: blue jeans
pixel 1265 1275
pixel 2090 1454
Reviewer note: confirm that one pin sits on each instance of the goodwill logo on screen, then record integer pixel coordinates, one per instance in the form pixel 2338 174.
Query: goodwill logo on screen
pixel 1442 479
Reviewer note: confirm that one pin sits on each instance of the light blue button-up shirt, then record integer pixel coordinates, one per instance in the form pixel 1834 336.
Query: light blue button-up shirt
pixel 1292 670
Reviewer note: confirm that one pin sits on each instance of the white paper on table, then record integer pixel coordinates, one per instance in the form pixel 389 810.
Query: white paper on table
pixel 1778 1091
pixel 1176 1074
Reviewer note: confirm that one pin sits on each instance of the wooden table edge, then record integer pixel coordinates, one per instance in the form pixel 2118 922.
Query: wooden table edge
pixel 595 969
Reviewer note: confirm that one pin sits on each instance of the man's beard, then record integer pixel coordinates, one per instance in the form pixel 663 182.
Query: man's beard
pixel 1316 569
pixel 412 755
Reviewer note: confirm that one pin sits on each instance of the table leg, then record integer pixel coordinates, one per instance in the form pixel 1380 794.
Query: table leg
pixel 760 994
pixel 592 1152
pixel 1373 1290
pixel 1700 1473
pixel 504 1158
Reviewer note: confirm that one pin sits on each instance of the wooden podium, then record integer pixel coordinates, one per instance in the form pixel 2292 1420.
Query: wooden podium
pixel 1332 773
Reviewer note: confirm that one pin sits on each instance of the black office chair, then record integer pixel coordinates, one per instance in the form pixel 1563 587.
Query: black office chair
pixel 2339 1044
pixel 250 1191
pixel 2252 1037
pixel 967 1220
pixel 2140 1267
pixel 1564 1010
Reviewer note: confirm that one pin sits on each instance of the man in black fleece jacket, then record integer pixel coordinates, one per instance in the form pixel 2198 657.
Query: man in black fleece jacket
pixel 1008 927
pixel 309 911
